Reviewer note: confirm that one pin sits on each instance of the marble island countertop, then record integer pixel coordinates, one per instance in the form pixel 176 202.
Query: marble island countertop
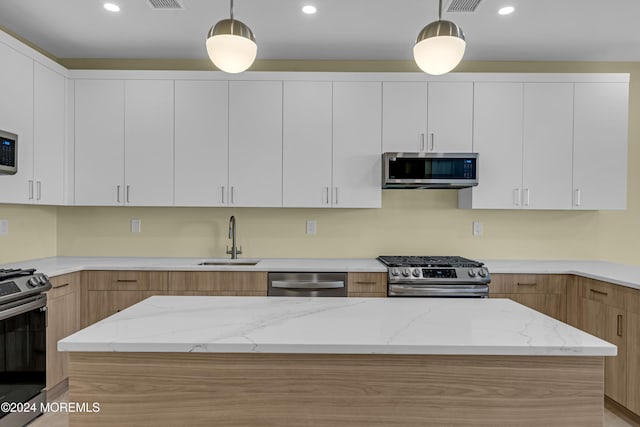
pixel 336 326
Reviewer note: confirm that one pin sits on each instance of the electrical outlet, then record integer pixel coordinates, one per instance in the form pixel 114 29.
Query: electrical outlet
pixel 136 226
pixel 311 226
pixel 4 227
pixel 477 228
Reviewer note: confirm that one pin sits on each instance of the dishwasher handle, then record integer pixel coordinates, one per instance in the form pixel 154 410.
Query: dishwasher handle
pixel 282 284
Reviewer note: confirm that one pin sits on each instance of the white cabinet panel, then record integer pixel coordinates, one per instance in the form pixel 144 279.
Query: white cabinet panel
pixel 497 137
pixel 357 144
pixel 450 117
pixel 49 135
pixel 99 139
pixel 148 142
pixel 404 116
pixel 255 143
pixel 16 116
pixel 548 145
pixel 600 145
pixel 307 142
pixel 201 143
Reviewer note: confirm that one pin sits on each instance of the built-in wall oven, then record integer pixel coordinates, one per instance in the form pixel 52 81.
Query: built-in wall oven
pixel 23 328
pixel 304 284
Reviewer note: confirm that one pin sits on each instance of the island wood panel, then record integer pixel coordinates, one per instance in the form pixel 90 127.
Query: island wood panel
pixel 245 390
pixel 102 304
pixel 367 284
pixel 245 282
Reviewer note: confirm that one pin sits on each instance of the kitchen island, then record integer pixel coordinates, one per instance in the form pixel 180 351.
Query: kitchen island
pixel 259 361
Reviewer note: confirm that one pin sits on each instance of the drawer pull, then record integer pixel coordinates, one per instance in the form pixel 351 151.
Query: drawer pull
pixel 61 286
pixel 366 283
pixel 527 284
pixel 126 280
pixel 595 291
pixel 619 325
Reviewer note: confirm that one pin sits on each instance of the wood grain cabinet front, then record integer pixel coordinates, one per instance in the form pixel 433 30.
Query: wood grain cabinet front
pixel 545 293
pixel 238 283
pixel 367 284
pixel 63 319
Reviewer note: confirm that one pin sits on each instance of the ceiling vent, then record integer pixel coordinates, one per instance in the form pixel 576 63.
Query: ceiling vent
pixel 165 4
pixel 463 5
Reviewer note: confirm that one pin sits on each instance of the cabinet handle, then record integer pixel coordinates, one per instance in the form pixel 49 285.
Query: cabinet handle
pixel 126 280
pixel 595 291
pixel 326 194
pixel 39 190
pixel 526 284
pixel 232 195
pixel 61 286
pixel 619 325
pixel 431 142
pixel 118 193
pixel 366 283
pixel 128 193
pixel 422 142
pixel 525 193
pixel 222 197
pixel 336 200
pixel 30 189
pixel 516 196
pixel 578 197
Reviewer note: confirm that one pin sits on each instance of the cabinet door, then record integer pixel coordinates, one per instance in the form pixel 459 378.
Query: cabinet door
pixel 497 137
pixel 16 116
pixel 99 142
pixel 450 117
pixel 600 145
pixel 306 168
pixel 548 146
pixel 202 143
pixel 404 116
pixel 148 135
pixel 357 144
pixel 633 362
pixel 49 131
pixel 255 143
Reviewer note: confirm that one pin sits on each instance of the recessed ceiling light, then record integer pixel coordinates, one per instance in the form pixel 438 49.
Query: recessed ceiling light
pixel 506 10
pixel 309 9
pixel 112 7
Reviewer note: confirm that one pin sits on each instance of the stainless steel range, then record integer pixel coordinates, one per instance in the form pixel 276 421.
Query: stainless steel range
pixel 436 276
pixel 23 345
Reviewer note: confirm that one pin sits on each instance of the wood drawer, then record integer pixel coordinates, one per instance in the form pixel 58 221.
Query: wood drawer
pixel 366 284
pixel 632 301
pixel 528 284
pixel 63 285
pixel 603 292
pixel 218 281
pixel 125 280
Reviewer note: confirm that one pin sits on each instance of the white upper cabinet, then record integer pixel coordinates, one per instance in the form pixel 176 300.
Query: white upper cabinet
pixel 600 145
pixel 307 144
pixel 497 137
pixel 357 144
pixel 201 143
pixel 450 122
pixel 255 143
pixel 49 136
pixel 99 142
pixel 548 145
pixel 148 135
pixel 404 116
pixel 16 116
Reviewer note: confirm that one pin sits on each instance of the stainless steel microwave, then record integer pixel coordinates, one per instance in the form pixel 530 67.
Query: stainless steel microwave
pixel 8 153
pixel 429 170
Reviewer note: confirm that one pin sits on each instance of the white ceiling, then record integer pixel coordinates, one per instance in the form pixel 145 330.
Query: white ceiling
pixel 555 30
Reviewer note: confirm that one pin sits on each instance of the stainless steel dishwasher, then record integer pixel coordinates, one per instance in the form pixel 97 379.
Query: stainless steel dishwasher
pixel 307 285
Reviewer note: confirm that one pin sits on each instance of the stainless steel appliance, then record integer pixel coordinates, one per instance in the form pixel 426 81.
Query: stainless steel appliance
pixel 23 344
pixel 436 276
pixel 307 285
pixel 8 153
pixel 429 170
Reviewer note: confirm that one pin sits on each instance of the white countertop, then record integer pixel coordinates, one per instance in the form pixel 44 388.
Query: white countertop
pixel 334 325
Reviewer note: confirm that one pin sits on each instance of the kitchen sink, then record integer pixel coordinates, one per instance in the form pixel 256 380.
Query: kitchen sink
pixel 230 262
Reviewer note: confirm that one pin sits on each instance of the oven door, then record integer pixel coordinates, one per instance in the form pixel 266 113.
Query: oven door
pixel 439 290
pixel 22 356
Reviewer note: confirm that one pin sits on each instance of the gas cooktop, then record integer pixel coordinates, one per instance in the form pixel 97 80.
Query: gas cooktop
pixel 429 261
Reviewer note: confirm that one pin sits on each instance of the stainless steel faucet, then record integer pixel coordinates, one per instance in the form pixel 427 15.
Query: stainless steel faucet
pixel 234 251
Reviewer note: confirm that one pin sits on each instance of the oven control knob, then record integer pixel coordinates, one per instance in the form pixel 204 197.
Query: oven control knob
pixel 482 272
pixel 415 272
pixel 395 272
pixel 406 272
pixel 33 282
pixel 472 273
pixel 43 279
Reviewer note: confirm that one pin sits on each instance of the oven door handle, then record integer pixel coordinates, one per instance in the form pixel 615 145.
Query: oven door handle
pixel 432 289
pixel 31 304
pixel 306 285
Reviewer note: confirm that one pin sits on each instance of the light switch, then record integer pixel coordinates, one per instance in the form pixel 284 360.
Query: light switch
pixel 136 225
pixel 477 228
pixel 311 226
pixel 4 227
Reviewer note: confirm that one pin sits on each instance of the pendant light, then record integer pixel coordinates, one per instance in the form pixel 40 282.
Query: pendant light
pixel 231 45
pixel 439 47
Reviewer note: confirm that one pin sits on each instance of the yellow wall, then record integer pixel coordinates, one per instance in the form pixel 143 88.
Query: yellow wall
pixel 32 232
pixel 410 222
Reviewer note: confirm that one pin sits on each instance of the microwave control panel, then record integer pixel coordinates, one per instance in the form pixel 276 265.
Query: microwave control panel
pixel 8 153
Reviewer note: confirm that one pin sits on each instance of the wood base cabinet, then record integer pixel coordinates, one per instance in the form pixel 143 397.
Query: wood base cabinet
pixel 367 284
pixel 545 293
pixel 63 319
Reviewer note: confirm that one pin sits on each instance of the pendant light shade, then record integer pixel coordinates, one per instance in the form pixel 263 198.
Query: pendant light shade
pixel 439 47
pixel 231 45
